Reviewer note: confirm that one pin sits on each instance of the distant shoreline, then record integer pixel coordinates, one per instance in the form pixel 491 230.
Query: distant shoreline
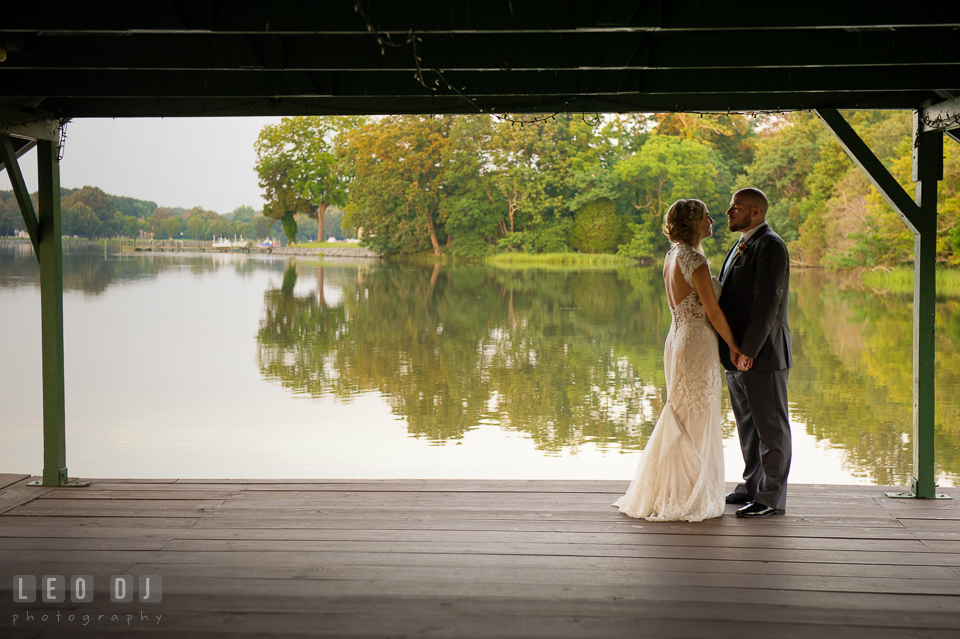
pixel 346 251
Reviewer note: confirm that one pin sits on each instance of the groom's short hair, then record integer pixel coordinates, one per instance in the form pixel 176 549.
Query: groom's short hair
pixel 756 198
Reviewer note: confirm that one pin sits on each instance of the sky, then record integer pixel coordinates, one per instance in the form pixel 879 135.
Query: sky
pixel 183 162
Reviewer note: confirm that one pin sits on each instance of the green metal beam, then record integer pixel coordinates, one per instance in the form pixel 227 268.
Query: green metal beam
pixel 392 84
pixel 9 157
pixel 928 170
pixel 493 51
pixel 920 216
pixel 871 166
pixel 20 148
pixel 51 315
pixel 450 104
pixel 442 16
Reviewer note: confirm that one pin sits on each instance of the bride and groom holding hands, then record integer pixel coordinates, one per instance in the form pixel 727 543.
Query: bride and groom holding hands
pixel 680 474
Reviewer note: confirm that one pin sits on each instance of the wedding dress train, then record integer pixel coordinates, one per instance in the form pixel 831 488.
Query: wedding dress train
pixel 680 474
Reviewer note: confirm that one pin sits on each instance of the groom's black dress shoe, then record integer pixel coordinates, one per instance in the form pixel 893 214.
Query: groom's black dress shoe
pixel 737 498
pixel 758 510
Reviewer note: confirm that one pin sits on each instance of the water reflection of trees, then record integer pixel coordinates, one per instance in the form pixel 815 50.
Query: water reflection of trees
pixel 552 355
pixel 851 383
pixel 574 357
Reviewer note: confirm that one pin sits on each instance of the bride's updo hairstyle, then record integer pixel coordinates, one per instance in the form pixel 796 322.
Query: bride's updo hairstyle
pixel 682 221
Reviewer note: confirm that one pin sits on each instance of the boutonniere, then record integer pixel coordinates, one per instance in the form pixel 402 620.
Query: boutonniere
pixel 741 249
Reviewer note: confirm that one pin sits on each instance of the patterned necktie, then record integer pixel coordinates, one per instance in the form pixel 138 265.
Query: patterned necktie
pixel 730 258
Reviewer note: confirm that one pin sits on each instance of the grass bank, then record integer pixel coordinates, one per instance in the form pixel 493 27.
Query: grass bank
pixel 559 259
pixel 900 280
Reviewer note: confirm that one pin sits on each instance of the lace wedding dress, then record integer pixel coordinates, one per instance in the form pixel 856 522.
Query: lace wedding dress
pixel 680 474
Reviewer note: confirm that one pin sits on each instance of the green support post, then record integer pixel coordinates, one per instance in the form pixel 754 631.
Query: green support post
pixel 927 171
pixel 51 314
pixel 920 216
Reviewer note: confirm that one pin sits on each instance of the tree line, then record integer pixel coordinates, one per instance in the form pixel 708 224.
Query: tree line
pixel 475 185
pixel 91 213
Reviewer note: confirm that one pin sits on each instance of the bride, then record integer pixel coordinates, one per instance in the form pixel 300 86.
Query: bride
pixel 680 474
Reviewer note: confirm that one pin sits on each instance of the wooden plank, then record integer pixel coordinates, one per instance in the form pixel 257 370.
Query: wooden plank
pixel 719 573
pixel 339 586
pixel 235 508
pixel 7 478
pixel 397 605
pixel 204 521
pixel 451 547
pixel 283 549
pixel 117 480
pixel 462 485
pixel 797 506
pixel 18 493
pixel 942 545
pixel 166 488
pixel 264 623
pixel 92 523
pixel 924 525
pixel 546 539
pixel 842 529
pixel 537 605
pixel 128 508
pixel 90 493
pixel 47 543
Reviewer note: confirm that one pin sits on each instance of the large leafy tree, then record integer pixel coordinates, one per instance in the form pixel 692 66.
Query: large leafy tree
pixel 298 170
pixel 400 166
pixel 665 169
pixel 88 200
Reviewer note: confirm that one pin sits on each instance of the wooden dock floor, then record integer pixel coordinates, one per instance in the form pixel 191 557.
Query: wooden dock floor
pixel 455 558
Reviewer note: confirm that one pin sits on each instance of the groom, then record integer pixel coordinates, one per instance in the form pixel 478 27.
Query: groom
pixel 756 283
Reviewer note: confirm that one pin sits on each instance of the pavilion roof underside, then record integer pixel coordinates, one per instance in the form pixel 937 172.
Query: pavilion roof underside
pixel 296 57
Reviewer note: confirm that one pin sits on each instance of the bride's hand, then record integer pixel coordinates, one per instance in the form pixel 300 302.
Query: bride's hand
pixel 746 363
pixel 735 356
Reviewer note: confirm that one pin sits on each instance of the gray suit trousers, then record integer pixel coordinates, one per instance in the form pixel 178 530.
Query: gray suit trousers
pixel 759 402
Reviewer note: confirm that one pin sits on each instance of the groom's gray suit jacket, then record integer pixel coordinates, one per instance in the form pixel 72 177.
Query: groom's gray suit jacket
pixel 756 288
pixel 754 297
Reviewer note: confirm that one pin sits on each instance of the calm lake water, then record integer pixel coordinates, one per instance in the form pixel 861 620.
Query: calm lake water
pixel 212 366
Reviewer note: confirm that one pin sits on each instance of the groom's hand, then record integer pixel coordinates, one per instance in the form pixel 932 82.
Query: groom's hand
pixel 735 356
pixel 745 363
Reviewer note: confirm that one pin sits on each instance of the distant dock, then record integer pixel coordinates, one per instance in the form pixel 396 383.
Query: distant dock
pixel 177 246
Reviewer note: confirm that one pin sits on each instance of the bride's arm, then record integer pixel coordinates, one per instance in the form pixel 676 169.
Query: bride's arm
pixel 701 280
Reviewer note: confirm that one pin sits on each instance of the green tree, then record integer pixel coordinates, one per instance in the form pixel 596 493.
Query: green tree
pixel 130 226
pixel 79 219
pixel 131 207
pixel 398 189
pixel 297 167
pixel 221 227
pixel 733 136
pixel 11 220
pixel 102 206
pixel 666 169
pixel 261 226
pixel 245 229
pixel 598 228
pixel 170 227
pixel 242 214
pixel 197 228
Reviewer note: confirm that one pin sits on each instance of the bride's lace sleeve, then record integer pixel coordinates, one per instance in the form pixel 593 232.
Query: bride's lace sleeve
pixel 689 261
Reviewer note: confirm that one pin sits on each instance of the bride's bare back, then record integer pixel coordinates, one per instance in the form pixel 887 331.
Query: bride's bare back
pixel 677 288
